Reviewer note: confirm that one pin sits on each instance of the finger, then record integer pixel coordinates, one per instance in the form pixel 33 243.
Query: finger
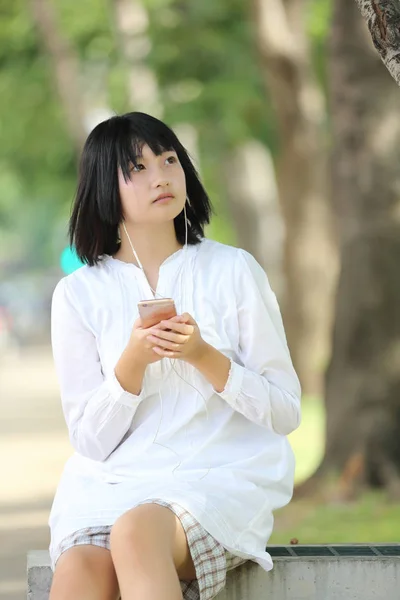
pixel 184 318
pixel 166 353
pixel 187 318
pixel 164 343
pixel 178 338
pixel 182 328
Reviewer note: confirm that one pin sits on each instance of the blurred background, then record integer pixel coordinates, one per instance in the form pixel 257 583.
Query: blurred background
pixel 294 124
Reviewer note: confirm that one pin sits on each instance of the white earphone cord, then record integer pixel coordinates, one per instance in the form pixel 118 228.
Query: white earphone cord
pixel 172 361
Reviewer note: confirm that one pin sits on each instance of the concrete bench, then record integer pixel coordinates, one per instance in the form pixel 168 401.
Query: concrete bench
pixel 334 572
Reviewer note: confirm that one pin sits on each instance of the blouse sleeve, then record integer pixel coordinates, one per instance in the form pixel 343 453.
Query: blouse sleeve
pixel 265 387
pixel 97 410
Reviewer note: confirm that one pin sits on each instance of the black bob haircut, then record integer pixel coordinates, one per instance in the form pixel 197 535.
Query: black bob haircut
pixel 97 210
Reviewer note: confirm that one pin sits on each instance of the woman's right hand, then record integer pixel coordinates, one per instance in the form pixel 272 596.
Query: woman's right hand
pixel 139 353
pixel 140 346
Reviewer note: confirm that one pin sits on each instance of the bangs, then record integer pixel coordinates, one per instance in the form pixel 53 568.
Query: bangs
pixel 131 137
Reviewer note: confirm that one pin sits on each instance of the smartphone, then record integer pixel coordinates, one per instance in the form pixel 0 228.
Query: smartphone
pixel 153 311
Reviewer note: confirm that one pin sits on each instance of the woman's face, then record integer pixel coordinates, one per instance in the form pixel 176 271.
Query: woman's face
pixel 153 177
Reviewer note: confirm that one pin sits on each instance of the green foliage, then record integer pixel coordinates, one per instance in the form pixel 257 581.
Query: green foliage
pixel 318 19
pixel 89 28
pixel 29 111
pixel 205 60
pixel 208 71
pixel 318 22
pixel 36 155
pixel 92 34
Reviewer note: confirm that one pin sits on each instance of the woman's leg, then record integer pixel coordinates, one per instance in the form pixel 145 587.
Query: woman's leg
pixel 84 572
pixel 150 554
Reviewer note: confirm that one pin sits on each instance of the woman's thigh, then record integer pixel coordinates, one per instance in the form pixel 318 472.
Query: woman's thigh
pixel 84 572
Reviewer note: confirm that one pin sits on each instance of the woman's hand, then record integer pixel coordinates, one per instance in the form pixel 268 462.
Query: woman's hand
pixel 178 337
pixel 131 366
pixel 140 346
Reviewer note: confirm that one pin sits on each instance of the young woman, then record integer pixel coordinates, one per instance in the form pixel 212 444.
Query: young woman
pixel 179 429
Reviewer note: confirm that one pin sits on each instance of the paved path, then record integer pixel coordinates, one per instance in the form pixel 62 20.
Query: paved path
pixel 33 448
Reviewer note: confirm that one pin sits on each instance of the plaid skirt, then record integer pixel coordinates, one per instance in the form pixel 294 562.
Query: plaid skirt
pixel 211 560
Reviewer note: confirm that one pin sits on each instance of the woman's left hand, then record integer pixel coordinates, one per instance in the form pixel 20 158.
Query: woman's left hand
pixel 178 337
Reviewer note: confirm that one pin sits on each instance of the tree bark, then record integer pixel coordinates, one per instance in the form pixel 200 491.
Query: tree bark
pixel 383 20
pixel 65 68
pixel 363 378
pixel 310 261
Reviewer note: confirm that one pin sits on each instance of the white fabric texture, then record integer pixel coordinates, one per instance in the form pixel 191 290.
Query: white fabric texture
pixel 223 456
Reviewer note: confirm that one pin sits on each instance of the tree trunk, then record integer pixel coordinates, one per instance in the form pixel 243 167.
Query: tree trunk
pixel 65 68
pixel 310 262
pixel 363 379
pixel 383 19
pixel 131 22
pixel 253 198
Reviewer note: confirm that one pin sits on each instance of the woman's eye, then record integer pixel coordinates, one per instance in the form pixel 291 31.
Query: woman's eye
pixel 171 159
pixel 136 168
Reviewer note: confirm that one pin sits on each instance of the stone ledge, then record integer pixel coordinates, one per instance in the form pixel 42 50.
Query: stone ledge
pixel 293 578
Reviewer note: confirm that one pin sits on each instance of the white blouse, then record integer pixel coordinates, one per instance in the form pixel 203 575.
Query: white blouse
pixel 223 456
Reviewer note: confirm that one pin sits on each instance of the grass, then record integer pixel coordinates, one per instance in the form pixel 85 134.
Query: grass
pixel 372 518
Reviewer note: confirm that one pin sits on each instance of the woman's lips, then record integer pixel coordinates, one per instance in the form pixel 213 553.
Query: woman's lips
pixel 163 199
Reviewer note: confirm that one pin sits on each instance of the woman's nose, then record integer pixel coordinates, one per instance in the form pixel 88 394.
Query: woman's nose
pixel 159 178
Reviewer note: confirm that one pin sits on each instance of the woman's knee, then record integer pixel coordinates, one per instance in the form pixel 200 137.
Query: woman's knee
pixel 149 531
pixel 84 572
pixel 143 527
